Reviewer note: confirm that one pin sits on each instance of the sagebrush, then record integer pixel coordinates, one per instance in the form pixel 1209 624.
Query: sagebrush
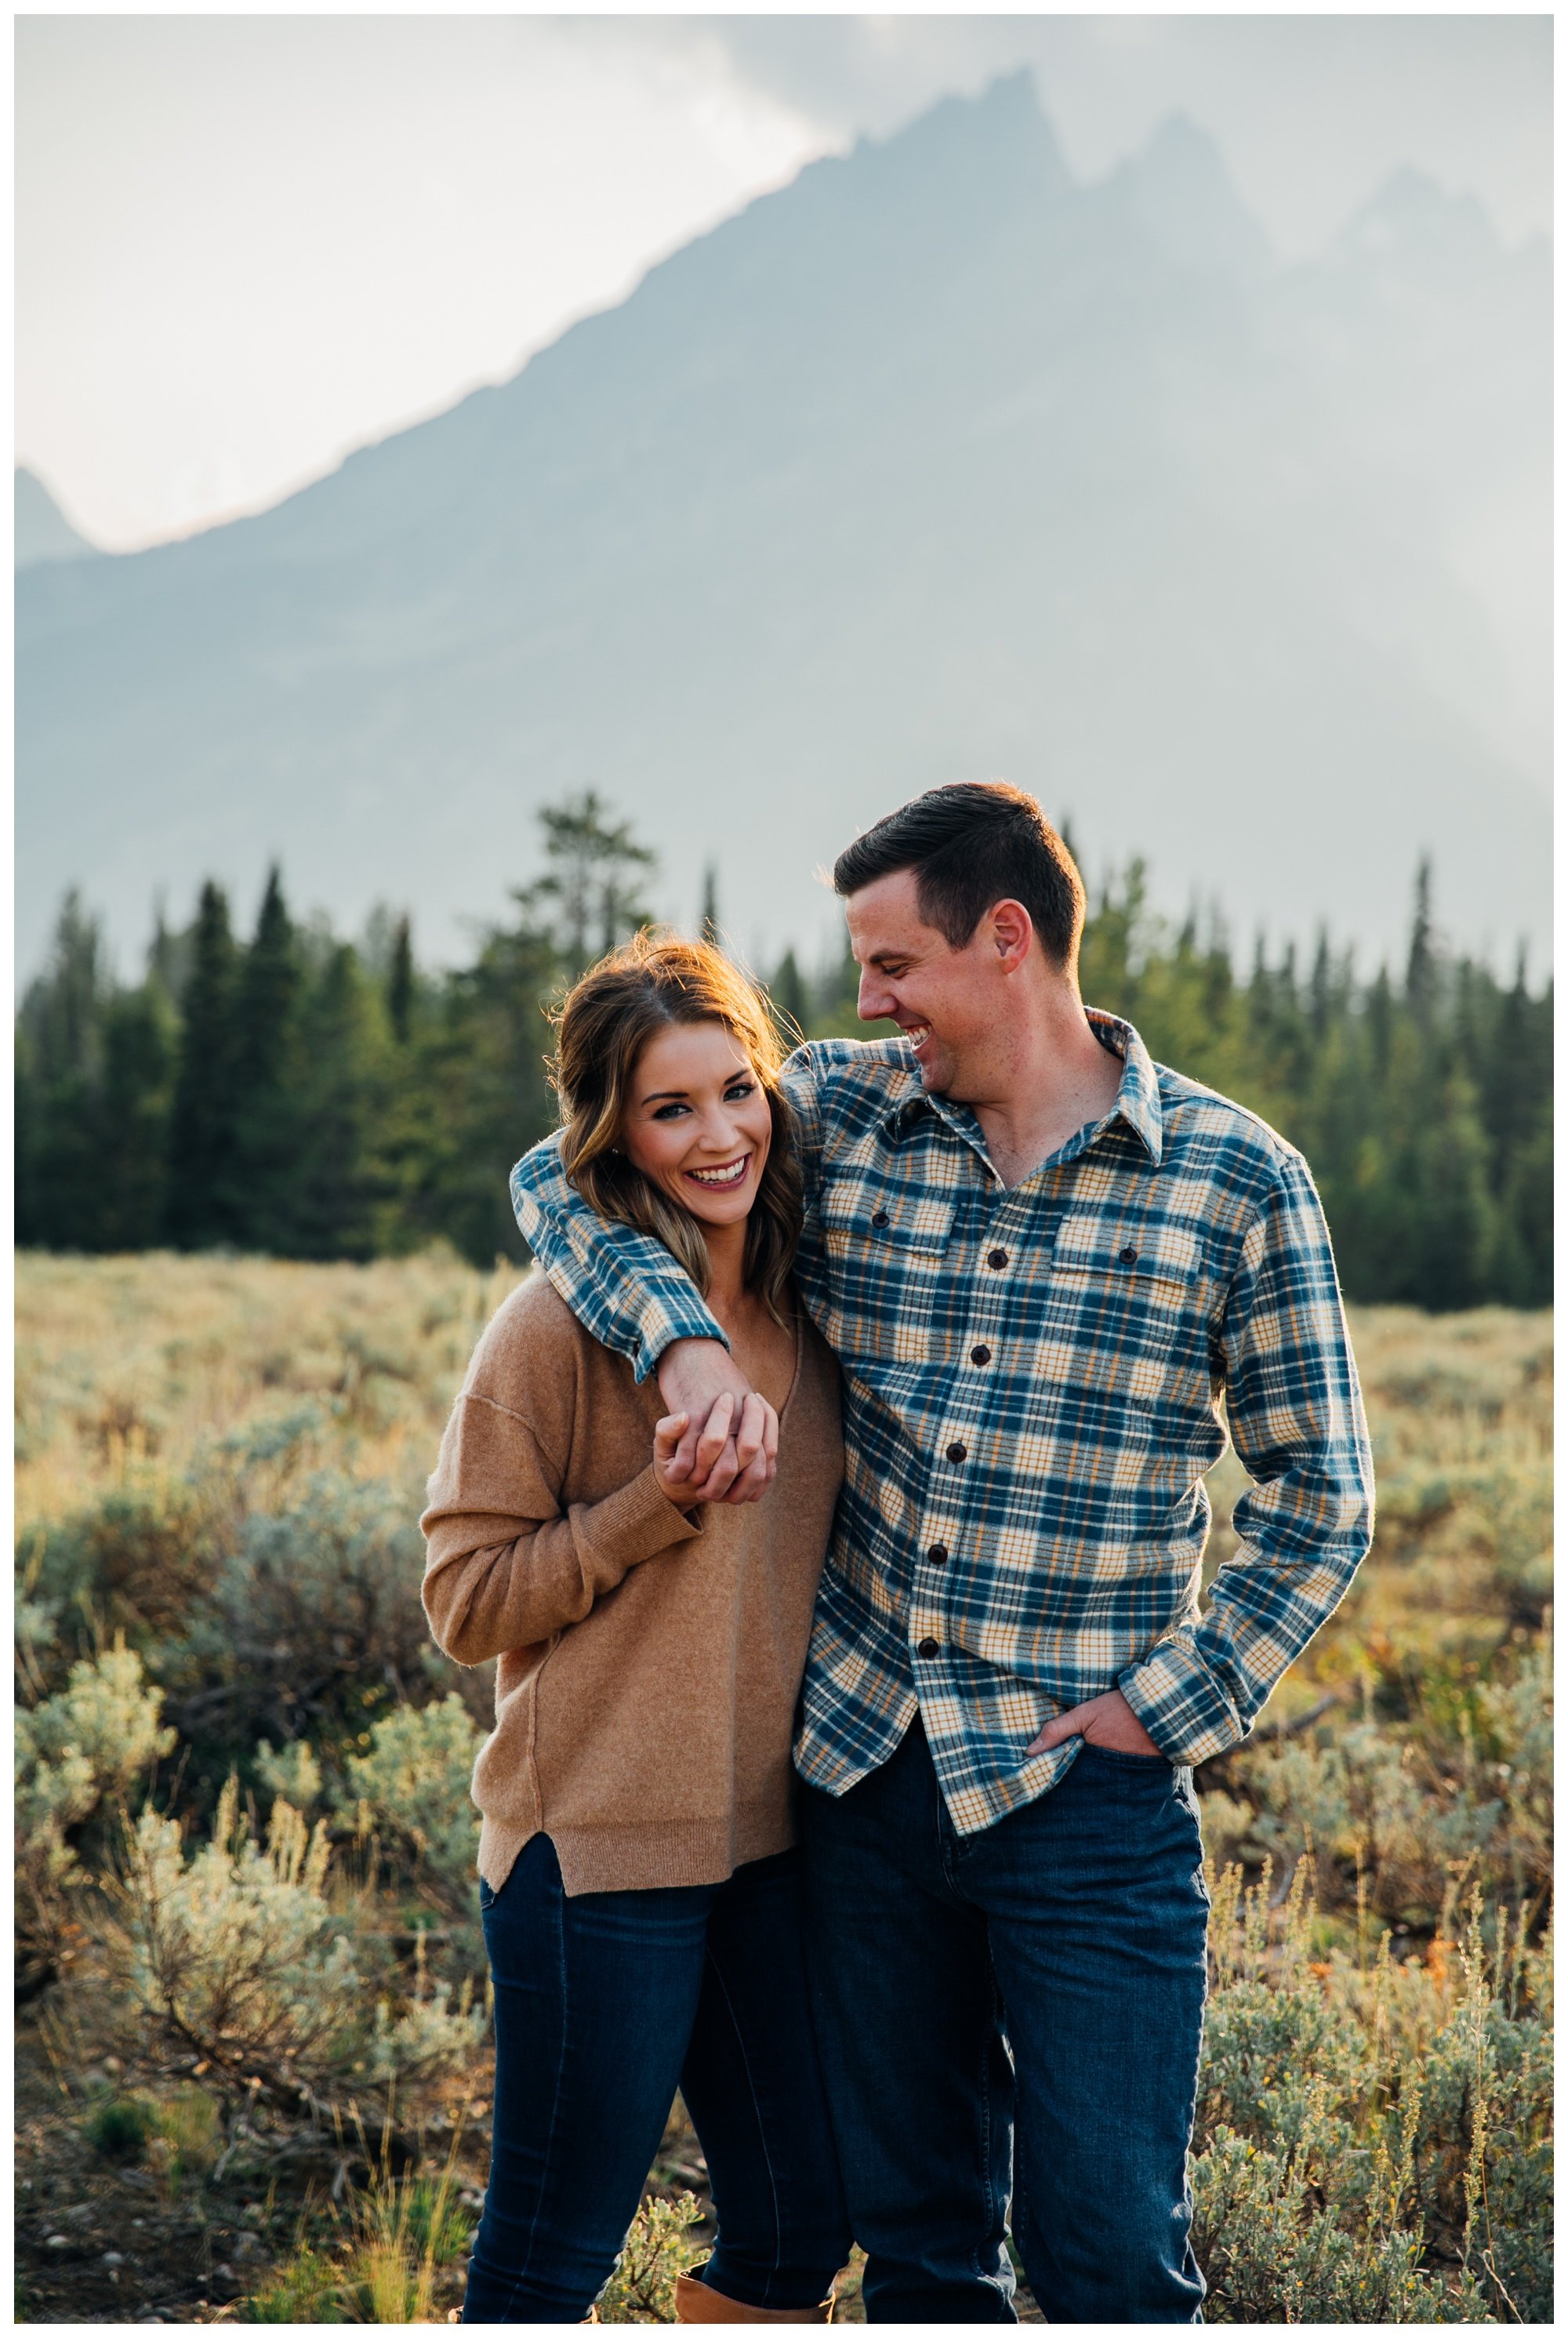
pixel 248 1932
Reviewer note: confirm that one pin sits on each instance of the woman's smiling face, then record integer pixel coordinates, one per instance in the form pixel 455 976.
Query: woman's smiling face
pixel 698 1123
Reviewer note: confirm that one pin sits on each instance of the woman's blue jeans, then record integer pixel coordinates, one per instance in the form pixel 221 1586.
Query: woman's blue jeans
pixel 605 2003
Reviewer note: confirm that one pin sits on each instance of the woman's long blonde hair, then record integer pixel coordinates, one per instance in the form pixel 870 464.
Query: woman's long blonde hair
pixel 601 1029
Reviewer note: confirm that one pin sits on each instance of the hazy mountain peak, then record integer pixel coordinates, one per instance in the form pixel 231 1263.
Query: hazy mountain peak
pixel 1179 188
pixel 43 532
pixel 1003 126
pixel 930 464
pixel 1411 218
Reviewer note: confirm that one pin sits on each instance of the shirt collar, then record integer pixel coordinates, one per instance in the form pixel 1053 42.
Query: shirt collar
pixel 1137 1099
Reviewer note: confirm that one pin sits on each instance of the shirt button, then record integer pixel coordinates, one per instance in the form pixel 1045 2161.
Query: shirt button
pixel 928 1648
pixel 957 1453
pixel 937 1553
pixel 1129 1257
pixel 996 1258
pixel 979 1355
pixel 879 1218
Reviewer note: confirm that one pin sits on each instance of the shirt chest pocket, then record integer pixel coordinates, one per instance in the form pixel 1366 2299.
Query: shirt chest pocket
pixel 1123 1303
pixel 888 1248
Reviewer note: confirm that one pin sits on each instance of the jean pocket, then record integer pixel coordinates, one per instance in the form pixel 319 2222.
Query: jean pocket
pixel 1153 1763
pixel 487 1898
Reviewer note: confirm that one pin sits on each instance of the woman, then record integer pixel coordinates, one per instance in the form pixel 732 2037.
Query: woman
pixel 639 1886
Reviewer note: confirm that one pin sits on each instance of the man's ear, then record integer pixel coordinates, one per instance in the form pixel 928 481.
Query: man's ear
pixel 1011 932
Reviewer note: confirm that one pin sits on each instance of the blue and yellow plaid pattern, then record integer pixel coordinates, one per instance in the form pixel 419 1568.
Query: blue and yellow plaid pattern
pixel 1034 1388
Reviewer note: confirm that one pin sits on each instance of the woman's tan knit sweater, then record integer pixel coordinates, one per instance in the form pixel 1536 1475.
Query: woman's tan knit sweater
pixel 650 1658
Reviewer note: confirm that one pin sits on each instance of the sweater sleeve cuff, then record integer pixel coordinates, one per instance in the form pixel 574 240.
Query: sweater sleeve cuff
pixel 636 1521
pixel 1181 1703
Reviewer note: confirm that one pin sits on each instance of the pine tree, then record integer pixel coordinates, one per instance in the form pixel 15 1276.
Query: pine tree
pixel 710 930
pixel 169 955
pixel 1452 1213
pixel 400 982
pixel 141 1049
pixel 1421 967
pixel 201 1136
pixel 834 1010
pixel 475 1097
pixel 267 1080
pixel 1380 1025
pixel 588 898
pixel 336 1178
pixel 787 991
pixel 1322 987
pixel 60 1163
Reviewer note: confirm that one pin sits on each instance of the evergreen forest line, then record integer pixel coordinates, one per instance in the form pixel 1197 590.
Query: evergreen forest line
pixel 310 1097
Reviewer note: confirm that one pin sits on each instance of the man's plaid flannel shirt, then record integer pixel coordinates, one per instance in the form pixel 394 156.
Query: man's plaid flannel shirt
pixel 1032 1383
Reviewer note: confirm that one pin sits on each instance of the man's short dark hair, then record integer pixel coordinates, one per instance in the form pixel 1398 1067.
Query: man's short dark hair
pixel 972 845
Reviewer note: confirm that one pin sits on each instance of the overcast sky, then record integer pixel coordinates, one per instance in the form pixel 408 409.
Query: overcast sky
pixel 247 244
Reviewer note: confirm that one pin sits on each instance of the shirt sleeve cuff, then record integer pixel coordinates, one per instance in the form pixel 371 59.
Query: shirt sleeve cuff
pixel 662 1323
pixel 1181 1704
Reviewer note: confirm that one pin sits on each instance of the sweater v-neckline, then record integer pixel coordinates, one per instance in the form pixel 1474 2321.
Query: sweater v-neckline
pixel 799 1357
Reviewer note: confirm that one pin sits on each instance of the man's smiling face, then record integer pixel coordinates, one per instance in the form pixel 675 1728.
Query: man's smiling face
pixel 947 1001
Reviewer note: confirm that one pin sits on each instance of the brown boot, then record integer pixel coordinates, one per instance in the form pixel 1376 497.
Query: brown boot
pixel 696 2302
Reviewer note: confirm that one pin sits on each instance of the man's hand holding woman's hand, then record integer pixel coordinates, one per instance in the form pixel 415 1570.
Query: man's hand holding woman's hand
pixel 1107 1720
pixel 720 1441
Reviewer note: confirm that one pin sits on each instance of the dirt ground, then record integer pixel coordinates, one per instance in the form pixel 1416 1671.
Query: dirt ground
pixel 179 2237
pixel 99 2240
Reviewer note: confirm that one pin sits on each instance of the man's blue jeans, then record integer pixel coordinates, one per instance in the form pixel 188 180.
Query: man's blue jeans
pixel 604 2004
pixel 1073 1932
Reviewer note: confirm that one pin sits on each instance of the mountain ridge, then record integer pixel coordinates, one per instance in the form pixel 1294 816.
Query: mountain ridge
pixel 40 529
pixel 854 492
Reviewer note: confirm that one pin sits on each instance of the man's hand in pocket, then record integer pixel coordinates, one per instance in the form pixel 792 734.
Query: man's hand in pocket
pixel 1107 1720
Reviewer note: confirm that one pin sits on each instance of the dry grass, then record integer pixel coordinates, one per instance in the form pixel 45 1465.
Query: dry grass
pixel 122 1362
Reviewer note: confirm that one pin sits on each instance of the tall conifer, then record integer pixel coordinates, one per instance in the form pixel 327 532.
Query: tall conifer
pixel 268 1071
pixel 141 1049
pixel 787 991
pixel 710 930
pixel 202 1134
pixel 60 1160
pixel 334 1183
pixel 400 982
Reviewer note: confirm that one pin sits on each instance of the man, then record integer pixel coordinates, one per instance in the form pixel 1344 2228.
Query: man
pixel 1042 1262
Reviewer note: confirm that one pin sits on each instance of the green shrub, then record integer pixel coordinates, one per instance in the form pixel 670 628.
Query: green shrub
pixel 658 2249
pixel 1374 2141
pixel 311 1620
pixel 96 1734
pixel 141 1555
pixel 187 2142
pixel 414 1783
pixel 293 1773
pixel 120 2127
pixel 239 1952
pixel 90 1740
pixel 390 2247
pixel 435 2221
pixel 236 1951
pixel 427 2038
pixel 304 2288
